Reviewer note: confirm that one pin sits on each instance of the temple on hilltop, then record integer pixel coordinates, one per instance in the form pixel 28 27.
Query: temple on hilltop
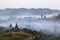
pixel 15 29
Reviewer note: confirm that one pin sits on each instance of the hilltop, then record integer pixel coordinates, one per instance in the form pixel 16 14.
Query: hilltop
pixel 16 33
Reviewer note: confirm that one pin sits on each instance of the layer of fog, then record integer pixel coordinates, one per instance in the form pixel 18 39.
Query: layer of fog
pixel 33 22
pixel 6 17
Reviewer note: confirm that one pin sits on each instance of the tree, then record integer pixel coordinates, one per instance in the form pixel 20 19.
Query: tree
pixel 42 16
pixel 58 17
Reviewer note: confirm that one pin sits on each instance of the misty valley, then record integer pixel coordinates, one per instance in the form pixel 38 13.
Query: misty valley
pixel 29 24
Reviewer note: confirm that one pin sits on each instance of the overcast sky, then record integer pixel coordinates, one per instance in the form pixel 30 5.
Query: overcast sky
pixel 53 4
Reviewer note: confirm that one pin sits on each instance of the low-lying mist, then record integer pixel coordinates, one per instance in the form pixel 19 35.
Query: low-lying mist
pixel 47 25
pixel 44 25
pixel 32 19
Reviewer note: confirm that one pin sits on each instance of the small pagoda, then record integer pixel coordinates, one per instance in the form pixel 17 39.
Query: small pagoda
pixel 16 28
pixel 10 26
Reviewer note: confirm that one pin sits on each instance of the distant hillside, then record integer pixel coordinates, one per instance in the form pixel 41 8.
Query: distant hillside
pixel 24 11
pixel 11 15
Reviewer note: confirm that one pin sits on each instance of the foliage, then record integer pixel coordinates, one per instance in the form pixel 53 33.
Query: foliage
pixel 28 30
pixel 6 35
pixel 57 17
